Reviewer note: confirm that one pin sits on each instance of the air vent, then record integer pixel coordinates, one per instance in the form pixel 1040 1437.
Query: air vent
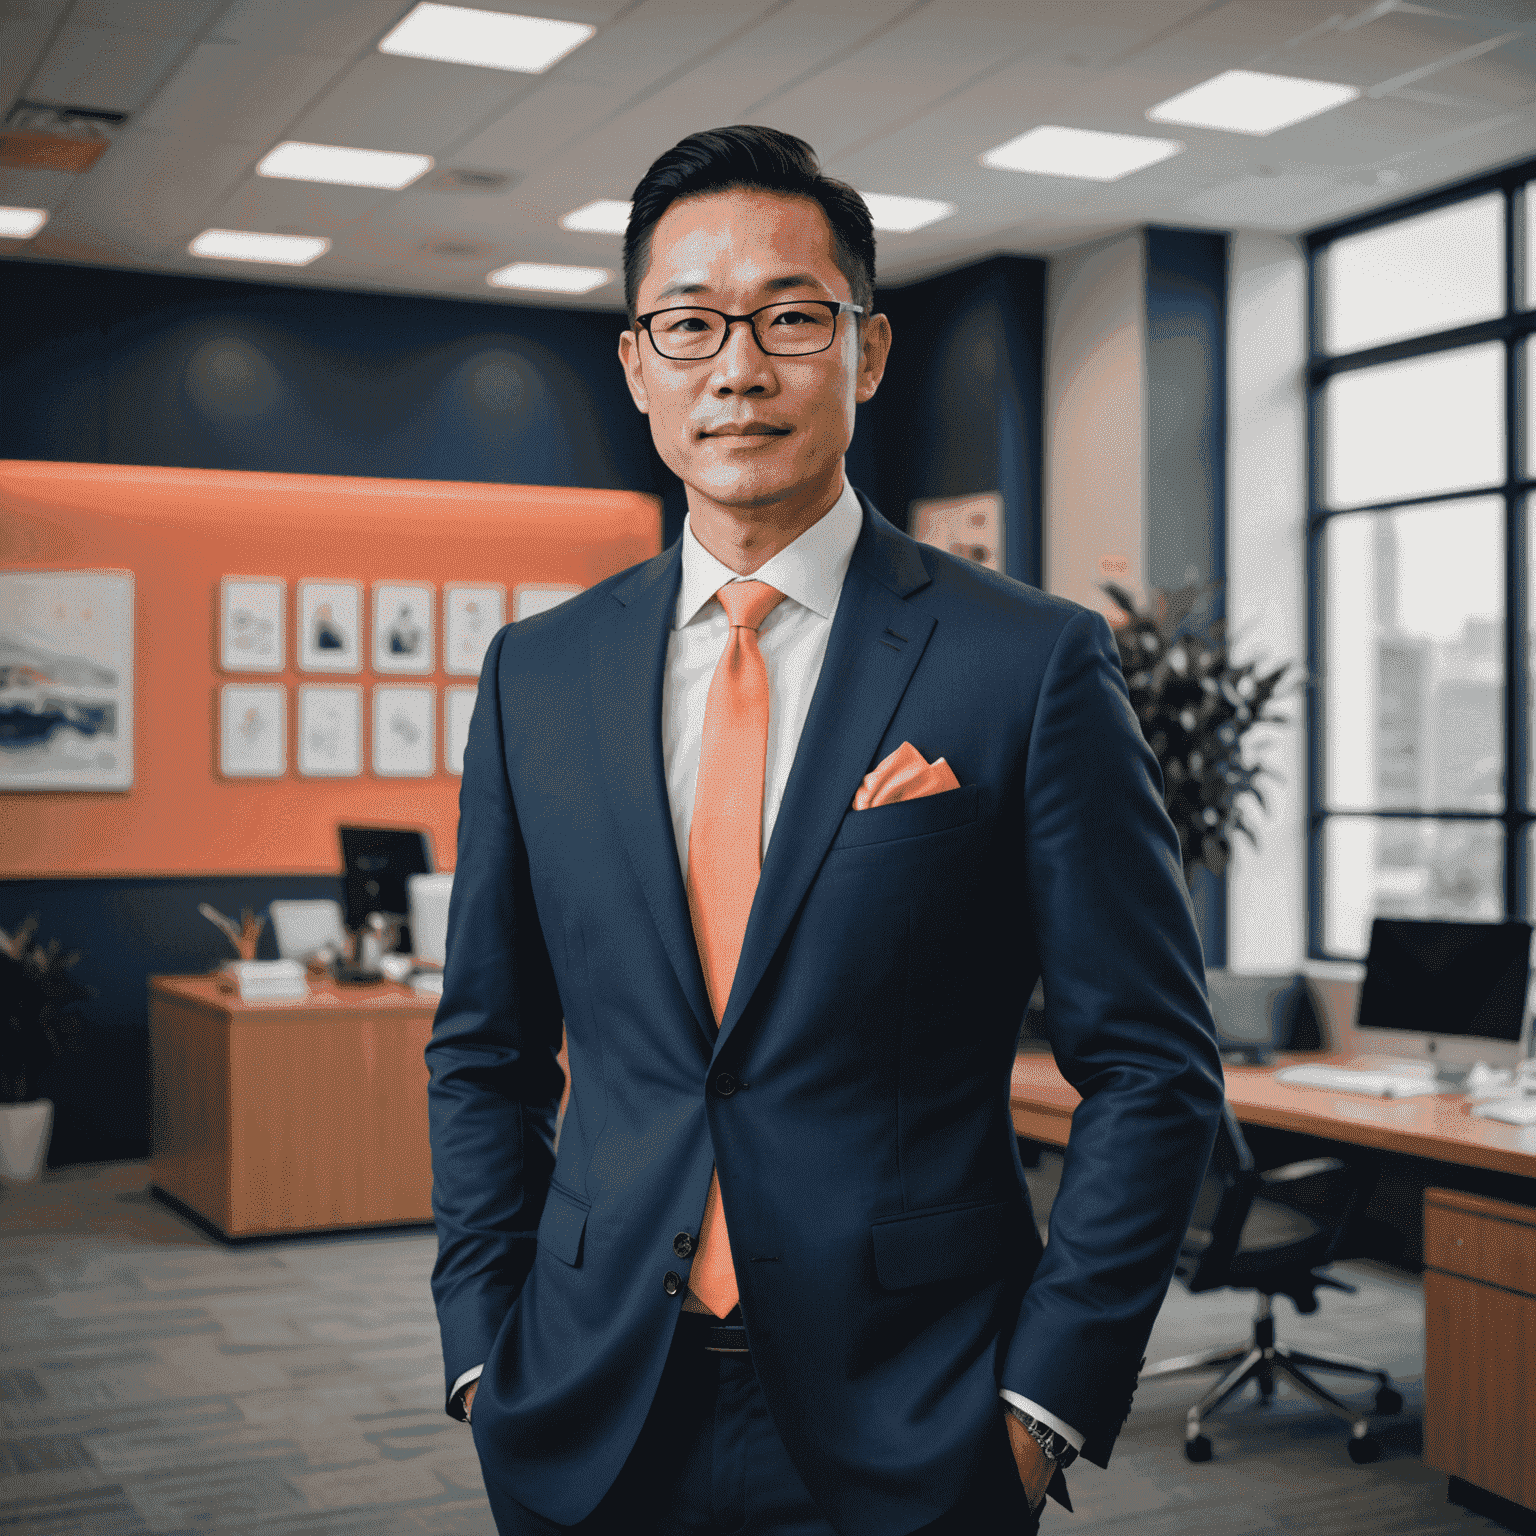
pixel 459 179
pixel 39 136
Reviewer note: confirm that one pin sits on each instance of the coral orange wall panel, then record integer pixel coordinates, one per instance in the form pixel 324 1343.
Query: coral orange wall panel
pixel 179 531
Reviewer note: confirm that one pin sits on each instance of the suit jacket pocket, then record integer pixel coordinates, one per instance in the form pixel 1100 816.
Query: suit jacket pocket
pixel 909 818
pixel 562 1225
pixel 946 1244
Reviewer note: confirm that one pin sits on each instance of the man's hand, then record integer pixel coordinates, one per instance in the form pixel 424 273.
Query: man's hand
pixel 469 1402
pixel 1035 1469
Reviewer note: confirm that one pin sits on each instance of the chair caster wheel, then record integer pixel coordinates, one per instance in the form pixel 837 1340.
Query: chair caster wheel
pixel 1365 1449
pixel 1198 1449
pixel 1388 1401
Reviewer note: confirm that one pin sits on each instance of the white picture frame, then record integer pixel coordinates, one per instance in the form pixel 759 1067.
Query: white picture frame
pixel 67 689
pixel 458 707
pixel 403 627
pixel 252 623
pixel 540 596
pixel 472 613
pixel 329 621
pixel 253 730
pixel 404 731
pixel 330 730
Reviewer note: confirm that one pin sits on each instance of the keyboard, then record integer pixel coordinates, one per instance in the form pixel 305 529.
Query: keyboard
pixel 1381 1085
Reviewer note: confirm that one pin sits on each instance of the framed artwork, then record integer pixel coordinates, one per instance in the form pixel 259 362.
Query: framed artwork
pixel 402 627
pixel 471 616
pixel 251 623
pixel 253 730
pixel 66 680
pixel 330 622
pixel 330 730
pixel 969 526
pixel 458 706
pixel 404 735
pixel 538 597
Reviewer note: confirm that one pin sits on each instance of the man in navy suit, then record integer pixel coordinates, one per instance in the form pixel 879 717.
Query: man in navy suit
pixel 784 825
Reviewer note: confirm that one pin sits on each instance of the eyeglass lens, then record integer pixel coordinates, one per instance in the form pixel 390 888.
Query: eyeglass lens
pixel 791 329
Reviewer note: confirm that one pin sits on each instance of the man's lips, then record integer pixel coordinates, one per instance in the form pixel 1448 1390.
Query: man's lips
pixel 745 429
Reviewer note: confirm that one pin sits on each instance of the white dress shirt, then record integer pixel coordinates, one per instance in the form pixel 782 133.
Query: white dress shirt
pixel 793 640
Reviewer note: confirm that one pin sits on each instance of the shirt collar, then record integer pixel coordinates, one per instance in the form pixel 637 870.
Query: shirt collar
pixel 809 572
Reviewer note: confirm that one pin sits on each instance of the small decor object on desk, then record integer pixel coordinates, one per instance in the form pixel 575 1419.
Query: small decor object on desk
pixel 38 1020
pixel 1195 705
pixel 268 981
pixel 245 937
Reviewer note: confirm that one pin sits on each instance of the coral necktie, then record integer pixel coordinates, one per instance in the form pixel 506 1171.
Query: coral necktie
pixel 725 855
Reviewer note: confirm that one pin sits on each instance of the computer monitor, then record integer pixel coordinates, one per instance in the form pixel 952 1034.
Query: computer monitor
pixel 376 863
pixel 1258 1014
pixel 1452 993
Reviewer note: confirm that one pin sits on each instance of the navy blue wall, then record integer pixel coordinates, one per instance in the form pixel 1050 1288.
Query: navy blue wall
pixel 1187 451
pixel 133 368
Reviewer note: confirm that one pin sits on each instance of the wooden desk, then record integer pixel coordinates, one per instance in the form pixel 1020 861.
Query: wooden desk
pixel 293 1116
pixel 1439 1126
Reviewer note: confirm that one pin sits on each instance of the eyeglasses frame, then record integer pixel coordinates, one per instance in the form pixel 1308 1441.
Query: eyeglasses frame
pixel 837 306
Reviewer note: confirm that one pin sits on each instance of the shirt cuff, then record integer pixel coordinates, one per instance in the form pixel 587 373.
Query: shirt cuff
pixel 1035 1411
pixel 473 1374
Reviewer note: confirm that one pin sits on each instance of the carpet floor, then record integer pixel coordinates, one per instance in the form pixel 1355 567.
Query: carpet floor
pixel 154 1379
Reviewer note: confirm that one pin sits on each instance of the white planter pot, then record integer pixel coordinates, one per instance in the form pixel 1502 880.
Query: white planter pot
pixel 24 1132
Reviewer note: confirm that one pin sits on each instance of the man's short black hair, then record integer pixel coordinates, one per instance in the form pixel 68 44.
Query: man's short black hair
pixel 747 156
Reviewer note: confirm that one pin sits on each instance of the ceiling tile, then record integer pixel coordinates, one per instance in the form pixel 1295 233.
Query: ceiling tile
pixel 1365 132
pixel 295 207
pixel 417 105
pixel 1277 202
pixel 1394 44
pixel 343 28
pixel 97 67
pixel 34 189
pixel 249 93
pixel 22 41
pixel 167 18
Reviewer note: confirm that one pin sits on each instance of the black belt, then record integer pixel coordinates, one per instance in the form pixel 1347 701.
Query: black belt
pixel 727 1337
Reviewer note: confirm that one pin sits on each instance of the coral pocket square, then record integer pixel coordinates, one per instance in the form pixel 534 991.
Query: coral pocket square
pixel 904 775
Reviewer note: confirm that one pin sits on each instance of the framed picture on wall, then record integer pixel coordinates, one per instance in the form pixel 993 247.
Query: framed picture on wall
pixel 539 597
pixel 458 706
pixel 968 526
pixel 330 731
pixel 330 623
pixel 402 627
pixel 253 730
pixel 471 616
pixel 404 735
pixel 66 680
pixel 251 623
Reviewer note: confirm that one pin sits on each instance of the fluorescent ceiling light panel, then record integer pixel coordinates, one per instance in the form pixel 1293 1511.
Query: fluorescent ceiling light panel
pixel 604 217
pixel 340 166
pixel 243 245
pixel 1081 152
pixel 21 223
pixel 901 215
pixel 538 277
pixel 455 34
pixel 1244 101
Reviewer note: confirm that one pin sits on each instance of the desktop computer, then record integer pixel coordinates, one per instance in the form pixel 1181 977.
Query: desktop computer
pixel 377 865
pixel 1447 995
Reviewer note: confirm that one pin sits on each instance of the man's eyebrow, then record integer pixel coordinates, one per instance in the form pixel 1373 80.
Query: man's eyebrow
pixel 773 285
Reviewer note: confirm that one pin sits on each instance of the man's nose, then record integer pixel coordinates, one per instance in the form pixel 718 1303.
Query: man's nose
pixel 741 364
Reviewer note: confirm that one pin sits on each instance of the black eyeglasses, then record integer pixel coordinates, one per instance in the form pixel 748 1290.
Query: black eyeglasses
pixel 790 328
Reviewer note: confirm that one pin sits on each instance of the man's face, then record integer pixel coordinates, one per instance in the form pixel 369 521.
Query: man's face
pixel 742 428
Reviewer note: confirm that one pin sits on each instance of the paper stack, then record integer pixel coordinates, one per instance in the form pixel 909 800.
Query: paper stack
pixel 268 981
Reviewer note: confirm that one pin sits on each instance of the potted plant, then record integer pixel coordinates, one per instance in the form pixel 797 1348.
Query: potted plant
pixel 38 1019
pixel 1196 705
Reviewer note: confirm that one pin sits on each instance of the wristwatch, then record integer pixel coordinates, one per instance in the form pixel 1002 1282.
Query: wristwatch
pixel 1055 1446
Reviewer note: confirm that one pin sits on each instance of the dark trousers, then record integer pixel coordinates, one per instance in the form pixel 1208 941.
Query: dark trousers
pixel 709 1462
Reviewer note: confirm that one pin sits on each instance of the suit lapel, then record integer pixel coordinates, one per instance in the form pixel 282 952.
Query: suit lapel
pixel 876 642
pixel 629 652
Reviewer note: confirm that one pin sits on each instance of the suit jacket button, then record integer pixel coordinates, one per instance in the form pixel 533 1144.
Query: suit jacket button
pixel 672 1282
pixel 726 1085
pixel 682 1245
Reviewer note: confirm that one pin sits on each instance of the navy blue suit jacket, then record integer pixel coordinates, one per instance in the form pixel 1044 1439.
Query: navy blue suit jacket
pixel 890 1271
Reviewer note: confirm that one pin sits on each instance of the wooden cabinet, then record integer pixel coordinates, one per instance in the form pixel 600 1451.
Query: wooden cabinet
pixel 1480 1342
pixel 294 1116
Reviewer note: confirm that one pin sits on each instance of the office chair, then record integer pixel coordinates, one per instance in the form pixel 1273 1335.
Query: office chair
pixel 1270 1233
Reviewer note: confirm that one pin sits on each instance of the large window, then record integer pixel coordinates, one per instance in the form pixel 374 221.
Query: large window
pixel 1423 447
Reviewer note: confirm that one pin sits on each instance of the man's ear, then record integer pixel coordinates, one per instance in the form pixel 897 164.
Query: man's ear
pixel 874 349
pixel 629 360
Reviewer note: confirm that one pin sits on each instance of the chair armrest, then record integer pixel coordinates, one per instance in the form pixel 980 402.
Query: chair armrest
pixel 1308 1168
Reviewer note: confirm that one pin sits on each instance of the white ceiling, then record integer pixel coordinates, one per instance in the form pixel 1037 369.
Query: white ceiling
pixel 897 96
